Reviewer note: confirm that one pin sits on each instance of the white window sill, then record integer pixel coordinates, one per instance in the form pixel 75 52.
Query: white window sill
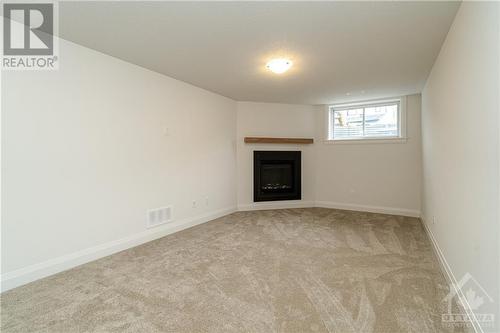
pixel 365 141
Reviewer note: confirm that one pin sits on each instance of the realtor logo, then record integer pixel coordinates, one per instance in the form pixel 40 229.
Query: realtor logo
pixel 470 293
pixel 34 34
pixel 28 36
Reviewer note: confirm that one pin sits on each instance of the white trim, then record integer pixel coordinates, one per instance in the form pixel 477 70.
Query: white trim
pixel 372 102
pixel 403 116
pixel 328 204
pixel 451 279
pixel 370 209
pixel 37 271
pixel 276 205
pixel 366 141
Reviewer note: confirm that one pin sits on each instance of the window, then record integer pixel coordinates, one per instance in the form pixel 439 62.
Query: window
pixel 361 121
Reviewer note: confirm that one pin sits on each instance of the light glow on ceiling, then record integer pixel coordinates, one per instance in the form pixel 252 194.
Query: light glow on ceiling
pixel 279 66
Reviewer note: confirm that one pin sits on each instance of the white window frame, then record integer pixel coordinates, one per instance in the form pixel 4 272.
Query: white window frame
pixel 400 138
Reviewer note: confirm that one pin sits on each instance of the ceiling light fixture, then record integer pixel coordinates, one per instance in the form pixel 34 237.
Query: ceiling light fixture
pixel 279 66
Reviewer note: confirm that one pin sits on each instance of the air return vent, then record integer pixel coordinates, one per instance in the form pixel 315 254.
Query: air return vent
pixel 159 216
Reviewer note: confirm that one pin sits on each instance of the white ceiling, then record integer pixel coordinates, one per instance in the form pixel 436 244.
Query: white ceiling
pixel 341 50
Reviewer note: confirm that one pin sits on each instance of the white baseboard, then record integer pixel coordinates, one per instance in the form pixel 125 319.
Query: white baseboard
pixel 276 205
pixel 328 204
pixel 370 209
pixel 34 272
pixel 451 279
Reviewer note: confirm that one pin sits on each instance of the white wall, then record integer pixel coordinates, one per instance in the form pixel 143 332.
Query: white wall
pixel 460 122
pixel 85 156
pixel 384 177
pixel 274 120
pixel 381 177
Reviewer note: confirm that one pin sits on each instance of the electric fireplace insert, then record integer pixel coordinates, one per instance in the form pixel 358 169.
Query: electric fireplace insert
pixel 276 175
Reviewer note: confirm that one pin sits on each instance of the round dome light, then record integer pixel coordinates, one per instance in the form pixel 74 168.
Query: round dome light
pixel 279 66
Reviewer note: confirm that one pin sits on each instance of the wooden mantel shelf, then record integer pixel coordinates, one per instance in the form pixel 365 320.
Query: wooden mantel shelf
pixel 252 139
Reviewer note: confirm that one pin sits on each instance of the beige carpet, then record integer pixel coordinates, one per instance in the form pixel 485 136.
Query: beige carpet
pixel 296 270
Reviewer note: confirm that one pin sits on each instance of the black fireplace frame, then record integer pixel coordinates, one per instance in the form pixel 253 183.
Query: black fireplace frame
pixel 261 157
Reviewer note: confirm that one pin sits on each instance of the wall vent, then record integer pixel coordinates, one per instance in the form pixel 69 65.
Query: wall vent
pixel 159 216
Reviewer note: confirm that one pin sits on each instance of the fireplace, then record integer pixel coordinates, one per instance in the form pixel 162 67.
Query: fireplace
pixel 276 175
